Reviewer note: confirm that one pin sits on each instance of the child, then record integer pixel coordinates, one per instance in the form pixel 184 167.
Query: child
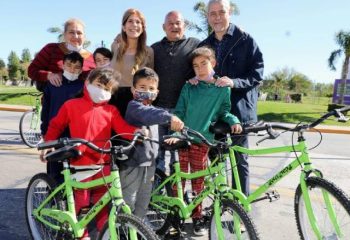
pixel 54 97
pixel 198 106
pixel 137 172
pixel 102 57
pixel 92 118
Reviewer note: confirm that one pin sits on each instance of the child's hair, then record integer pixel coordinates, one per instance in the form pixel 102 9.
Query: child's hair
pixel 103 51
pixel 74 57
pixel 105 76
pixel 204 52
pixel 145 72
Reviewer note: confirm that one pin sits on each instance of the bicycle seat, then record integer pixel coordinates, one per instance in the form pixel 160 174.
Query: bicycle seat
pixel 182 144
pixel 220 127
pixel 60 154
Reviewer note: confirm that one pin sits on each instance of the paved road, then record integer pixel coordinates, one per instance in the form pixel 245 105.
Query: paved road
pixel 274 220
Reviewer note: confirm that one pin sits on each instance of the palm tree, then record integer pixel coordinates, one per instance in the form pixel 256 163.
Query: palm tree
pixel 201 9
pixel 342 38
pixel 60 37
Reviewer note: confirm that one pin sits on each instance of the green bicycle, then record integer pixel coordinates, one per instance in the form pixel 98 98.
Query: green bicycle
pixel 29 124
pixel 322 209
pixel 228 219
pixel 50 210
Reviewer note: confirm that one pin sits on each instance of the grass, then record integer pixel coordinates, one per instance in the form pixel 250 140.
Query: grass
pixel 309 110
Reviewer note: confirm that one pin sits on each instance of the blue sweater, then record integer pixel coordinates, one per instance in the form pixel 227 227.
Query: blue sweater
pixel 140 115
pixel 53 99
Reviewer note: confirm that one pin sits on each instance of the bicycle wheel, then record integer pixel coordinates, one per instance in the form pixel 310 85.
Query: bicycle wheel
pixel 340 203
pixel 229 209
pixel 39 188
pixel 159 220
pixel 29 128
pixel 126 222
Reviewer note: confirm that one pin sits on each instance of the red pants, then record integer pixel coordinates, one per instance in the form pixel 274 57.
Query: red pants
pixel 194 158
pixel 84 197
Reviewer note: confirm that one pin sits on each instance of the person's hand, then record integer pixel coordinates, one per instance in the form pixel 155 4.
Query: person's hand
pixel 144 131
pixel 176 124
pixel 55 79
pixel 43 154
pixel 236 128
pixel 193 81
pixel 224 82
pixel 171 141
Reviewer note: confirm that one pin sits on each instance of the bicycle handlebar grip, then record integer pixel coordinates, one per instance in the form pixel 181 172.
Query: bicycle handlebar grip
pixel 50 144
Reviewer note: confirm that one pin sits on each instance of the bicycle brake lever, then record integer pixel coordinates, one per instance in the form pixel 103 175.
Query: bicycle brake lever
pixel 263 139
pixel 342 118
pixel 270 135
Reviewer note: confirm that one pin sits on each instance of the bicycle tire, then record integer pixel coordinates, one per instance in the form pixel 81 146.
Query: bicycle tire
pixel 160 222
pixel 29 136
pixel 340 202
pixel 39 188
pixel 126 221
pixel 248 229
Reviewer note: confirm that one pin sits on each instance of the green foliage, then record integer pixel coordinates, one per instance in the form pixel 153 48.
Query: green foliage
pixel 26 56
pixel 2 64
pixel 342 38
pixel 14 66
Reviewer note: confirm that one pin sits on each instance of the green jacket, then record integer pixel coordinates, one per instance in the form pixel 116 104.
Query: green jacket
pixel 200 105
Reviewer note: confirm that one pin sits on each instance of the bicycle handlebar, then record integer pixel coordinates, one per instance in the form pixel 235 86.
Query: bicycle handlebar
pixel 62 142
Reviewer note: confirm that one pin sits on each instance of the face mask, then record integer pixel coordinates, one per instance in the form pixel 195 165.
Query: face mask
pixel 73 48
pixel 144 95
pixel 210 77
pixel 108 64
pixel 70 76
pixel 97 94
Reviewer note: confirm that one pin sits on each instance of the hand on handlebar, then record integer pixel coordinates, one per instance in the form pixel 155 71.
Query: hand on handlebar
pixel 43 154
pixel 171 141
pixel 176 124
pixel 236 128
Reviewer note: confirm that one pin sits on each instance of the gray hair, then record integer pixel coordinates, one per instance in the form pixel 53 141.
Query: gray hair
pixel 174 12
pixel 224 3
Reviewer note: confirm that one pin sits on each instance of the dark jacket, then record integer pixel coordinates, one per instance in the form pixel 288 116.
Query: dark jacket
pixel 141 115
pixel 53 99
pixel 174 68
pixel 242 61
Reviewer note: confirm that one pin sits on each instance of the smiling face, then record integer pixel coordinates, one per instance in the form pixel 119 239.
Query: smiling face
pixel 174 26
pixel 133 26
pixel 101 60
pixel 218 17
pixel 74 34
pixel 203 67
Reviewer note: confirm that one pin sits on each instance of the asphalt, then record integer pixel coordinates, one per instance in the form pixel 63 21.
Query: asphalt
pixel 321 128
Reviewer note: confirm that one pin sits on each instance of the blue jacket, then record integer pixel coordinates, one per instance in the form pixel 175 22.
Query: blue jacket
pixel 242 61
pixel 141 115
pixel 53 99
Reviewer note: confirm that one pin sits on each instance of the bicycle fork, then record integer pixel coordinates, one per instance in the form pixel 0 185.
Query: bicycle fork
pixel 309 210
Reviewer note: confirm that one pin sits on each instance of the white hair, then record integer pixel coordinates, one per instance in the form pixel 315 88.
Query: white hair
pixel 174 13
pixel 224 3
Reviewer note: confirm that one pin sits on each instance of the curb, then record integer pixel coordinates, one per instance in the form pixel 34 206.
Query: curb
pixel 14 108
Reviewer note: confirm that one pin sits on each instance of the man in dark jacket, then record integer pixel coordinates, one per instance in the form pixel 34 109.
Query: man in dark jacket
pixel 240 66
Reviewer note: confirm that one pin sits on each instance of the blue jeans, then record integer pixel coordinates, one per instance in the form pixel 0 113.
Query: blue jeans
pixel 162 131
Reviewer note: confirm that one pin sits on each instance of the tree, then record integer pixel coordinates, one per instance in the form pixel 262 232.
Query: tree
pixel 60 36
pixel 26 58
pixel 201 8
pixel 3 71
pixel 342 38
pixel 13 66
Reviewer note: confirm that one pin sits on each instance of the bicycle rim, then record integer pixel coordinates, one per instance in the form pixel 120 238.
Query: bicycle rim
pixel 245 227
pixel 38 190
pixel 317 187
pixel 29 128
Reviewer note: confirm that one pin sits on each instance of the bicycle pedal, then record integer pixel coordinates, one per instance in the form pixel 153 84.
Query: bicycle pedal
pixel 273 195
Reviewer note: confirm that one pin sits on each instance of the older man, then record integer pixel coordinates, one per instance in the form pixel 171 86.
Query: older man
pixel 240 66
pixel 172 66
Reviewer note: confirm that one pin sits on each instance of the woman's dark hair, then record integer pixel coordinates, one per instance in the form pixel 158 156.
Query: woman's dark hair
pixel 145 72
pixel 103 51
pixel 74 57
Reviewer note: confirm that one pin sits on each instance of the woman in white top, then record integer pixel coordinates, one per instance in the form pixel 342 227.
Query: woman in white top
pixel 130 53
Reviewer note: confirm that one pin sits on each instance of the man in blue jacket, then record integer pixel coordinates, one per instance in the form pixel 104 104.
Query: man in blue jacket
pixel 240 66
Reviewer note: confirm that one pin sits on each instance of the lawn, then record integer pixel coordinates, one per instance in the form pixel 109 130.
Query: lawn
pixel 309 110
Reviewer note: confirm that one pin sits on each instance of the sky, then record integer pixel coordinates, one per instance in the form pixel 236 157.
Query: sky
pixel 290 33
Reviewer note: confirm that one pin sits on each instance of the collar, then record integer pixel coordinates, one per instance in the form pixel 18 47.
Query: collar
pixel 166 41
pixel 231 29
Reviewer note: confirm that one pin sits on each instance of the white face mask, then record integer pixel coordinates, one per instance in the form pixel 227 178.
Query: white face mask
pixel 70 76
pixel 97 94
pixel 73 48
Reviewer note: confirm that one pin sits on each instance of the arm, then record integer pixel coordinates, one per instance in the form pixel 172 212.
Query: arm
pixel 224 111
pixel 38 70
pixel 181 105
pixel 119 125
pixel 58 124
pixel 147 115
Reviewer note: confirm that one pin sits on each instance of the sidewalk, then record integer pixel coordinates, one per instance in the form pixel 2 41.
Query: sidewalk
pixel 321 128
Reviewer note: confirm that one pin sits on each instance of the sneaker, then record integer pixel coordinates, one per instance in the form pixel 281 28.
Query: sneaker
pixel 199 227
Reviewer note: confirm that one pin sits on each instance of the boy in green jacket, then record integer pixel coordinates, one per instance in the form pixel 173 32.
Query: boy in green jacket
pixel 198 106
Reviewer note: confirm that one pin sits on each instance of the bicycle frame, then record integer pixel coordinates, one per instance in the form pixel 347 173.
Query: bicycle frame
pixel 35 121
pixel 77 226
pixel 302 160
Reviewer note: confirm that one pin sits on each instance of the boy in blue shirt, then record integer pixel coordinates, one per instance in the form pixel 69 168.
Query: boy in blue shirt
pixel 136 173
